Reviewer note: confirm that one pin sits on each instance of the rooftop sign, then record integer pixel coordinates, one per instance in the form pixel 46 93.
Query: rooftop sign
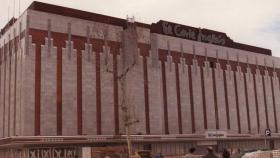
pixel 202 35
pixel 196 34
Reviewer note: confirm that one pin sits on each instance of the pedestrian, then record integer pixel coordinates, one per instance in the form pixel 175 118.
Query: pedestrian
pixel 226 153
pixel 210 153
pixel 236 154
pixel 191 153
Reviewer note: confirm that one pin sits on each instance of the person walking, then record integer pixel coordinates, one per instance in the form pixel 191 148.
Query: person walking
pixel 210 153
pixel 236 154
pixel 226 153
pixel 191 153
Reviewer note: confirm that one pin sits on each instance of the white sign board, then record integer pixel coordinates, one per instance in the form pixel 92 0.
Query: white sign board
pixel 267 132
pixel 215 134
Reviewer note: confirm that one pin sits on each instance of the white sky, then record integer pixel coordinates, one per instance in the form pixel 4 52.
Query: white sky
pixel 254 22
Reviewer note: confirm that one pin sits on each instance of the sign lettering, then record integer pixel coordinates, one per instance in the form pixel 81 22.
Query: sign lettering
pixel 52 152
pixel 192 33
pixel 215 134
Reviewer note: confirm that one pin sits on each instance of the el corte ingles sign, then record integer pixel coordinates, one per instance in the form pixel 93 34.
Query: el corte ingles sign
pixel 191 33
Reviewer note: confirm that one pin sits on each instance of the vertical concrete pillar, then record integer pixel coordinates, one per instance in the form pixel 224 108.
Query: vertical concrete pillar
pixel 260 99
pixel 107 92
pixel 12 86
pixel 155 96
pixel 241 100
pixel 89 91
pixel 69 90
pixel 231 99
pixel 269 101
pixel 4 88
pixel 221 103
pixel 28 93
pixel 7 88
pixel 251 101
pixel 171 96
pixel 19 82
pixel 49 89
pixel 209 96
pixel 197 97
pixel 48 85
pixel 185 98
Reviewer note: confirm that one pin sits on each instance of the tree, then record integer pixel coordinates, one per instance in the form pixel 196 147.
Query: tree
pixel 129 60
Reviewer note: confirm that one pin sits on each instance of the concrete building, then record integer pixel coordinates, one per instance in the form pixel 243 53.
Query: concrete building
pixel 67 76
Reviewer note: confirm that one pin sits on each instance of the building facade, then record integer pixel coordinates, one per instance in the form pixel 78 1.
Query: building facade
pixel 71 80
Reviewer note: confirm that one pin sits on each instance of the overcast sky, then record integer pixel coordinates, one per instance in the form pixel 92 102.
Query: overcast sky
pixel 254 22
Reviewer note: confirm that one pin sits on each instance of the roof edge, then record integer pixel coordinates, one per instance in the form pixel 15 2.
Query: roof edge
pixel 85 15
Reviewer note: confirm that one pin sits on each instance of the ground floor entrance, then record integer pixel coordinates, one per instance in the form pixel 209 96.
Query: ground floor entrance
pixel 115 147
